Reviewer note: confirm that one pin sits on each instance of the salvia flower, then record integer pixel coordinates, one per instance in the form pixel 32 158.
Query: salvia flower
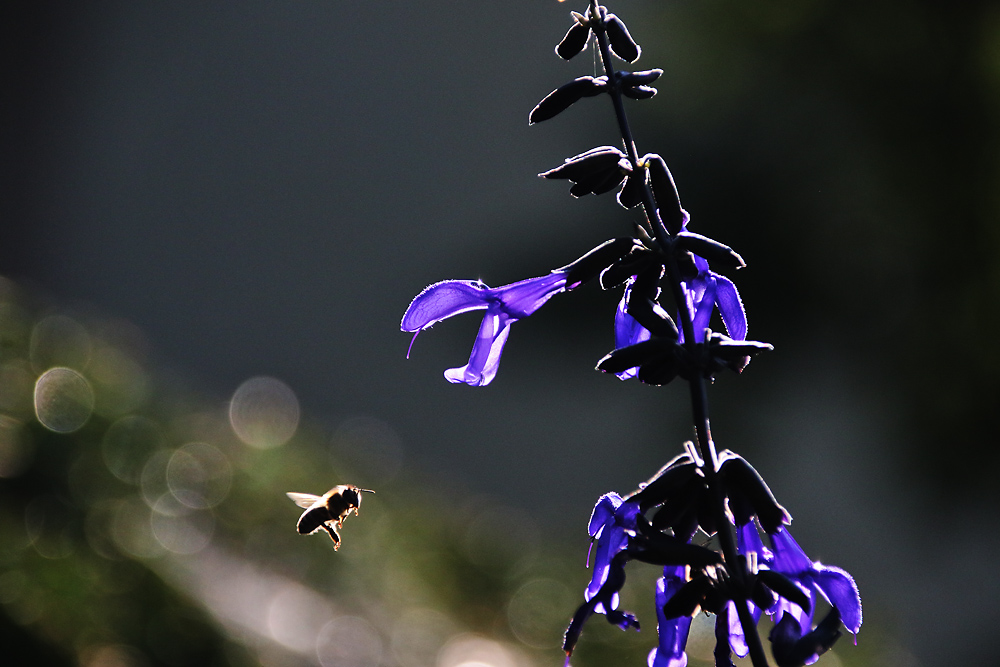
pixel 672 632
pixel 503 305
pixel 610 524
pixel 708 290
pixel 832 583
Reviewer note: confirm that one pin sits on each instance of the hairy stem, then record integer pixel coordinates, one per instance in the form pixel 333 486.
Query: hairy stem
pixel 699 392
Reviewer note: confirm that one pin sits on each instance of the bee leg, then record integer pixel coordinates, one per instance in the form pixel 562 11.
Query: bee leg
pixel 333 536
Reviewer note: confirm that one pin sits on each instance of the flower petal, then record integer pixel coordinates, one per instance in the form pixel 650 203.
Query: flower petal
pixel 730 307
pixel 673 633
pixel 485 358
pixel 443 300
pixel 604 512
pixel 789 558
pixel 522 298
pixel 839 588
pixel 628 331
pixel 704 310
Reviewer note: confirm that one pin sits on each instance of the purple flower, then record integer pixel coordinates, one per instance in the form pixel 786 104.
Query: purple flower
pixel 747 542
pixel 673 633
pixel 833 583
pixel 627 330
pixel 706 291
pixel 610 524
pixel 503 305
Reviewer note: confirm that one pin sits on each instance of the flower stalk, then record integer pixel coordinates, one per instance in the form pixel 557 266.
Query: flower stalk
pixel 715 492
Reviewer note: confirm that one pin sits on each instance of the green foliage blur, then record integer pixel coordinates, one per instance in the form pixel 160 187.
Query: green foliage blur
pixel 143 524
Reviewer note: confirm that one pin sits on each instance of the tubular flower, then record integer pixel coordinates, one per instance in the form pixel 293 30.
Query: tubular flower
pixel 673 633
pixel 628 331
pixel 503 305
pixel 794 638
pixel 610 524
pixel 706 291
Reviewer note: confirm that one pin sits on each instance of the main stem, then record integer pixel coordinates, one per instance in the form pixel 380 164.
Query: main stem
pixel 699 390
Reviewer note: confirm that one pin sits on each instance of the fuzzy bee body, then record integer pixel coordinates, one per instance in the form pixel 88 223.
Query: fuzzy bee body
pixel 327 511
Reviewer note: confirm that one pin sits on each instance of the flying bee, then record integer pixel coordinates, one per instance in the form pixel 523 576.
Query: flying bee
pixel 328 511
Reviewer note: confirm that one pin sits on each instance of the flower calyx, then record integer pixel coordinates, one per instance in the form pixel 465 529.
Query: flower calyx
pixel 619 39
pixel 566 96
pixel 596 171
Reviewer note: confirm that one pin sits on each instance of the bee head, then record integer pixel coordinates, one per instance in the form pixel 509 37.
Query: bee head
pixel 352 495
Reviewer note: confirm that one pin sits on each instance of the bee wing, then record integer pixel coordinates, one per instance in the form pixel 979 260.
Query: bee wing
pixel 304 500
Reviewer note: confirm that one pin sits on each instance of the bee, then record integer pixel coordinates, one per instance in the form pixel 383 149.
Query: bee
pixel 327 511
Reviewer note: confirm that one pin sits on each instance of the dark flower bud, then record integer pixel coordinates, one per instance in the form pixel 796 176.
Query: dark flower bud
pixel 733 354
pixel 660 372
pixel 633 190
pixel 792 649
pixel 665 193
pixel 645 352
pixel 658 548
pixel 565 96
pixel 639 92
pixel 710 249
pixel 686 266
pixel 761 595
pixel 642 78
pixel 601 183
pixel 784 587
pixel 576 38
pixel 749 494
pixel 595 162
pixel 680 511
pixel 636 262
pixel 642 304
pixel 665 483
pixel 597 260
pixel 621 42
pixel 687 600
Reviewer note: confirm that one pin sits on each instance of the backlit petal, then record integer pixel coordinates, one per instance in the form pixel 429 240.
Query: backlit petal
pixel 443 300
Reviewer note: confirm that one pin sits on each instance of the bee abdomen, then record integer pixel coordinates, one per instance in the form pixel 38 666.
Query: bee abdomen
pixel 312 519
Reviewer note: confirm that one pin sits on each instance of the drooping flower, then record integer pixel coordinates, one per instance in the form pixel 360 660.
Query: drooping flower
pixel 503 305
pixel 628 331
pixel 795 641
pixel 708 290
pixel 610 524
pixel 833 583
pixel 673 632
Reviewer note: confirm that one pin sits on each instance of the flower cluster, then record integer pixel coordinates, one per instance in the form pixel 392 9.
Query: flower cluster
pixel 655 524
pixel 662 332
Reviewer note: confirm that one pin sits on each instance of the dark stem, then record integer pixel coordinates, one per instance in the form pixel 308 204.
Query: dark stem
pixel 699 392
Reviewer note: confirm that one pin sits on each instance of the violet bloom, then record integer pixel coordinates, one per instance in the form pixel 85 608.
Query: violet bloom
pixel 747 542
pixel 673 633
pixel 833 583
pixel 610 524
pixel 627 330
pixel 503 305
pixel 708 290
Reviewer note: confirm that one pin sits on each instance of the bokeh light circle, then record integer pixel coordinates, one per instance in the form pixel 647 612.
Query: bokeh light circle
pixel 127 445
pixel 537 611
pixel 349 641
pixel 64 400
pixel 264 412
pixel 199 475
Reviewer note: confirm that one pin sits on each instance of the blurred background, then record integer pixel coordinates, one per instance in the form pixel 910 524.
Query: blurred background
pixel 214 216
